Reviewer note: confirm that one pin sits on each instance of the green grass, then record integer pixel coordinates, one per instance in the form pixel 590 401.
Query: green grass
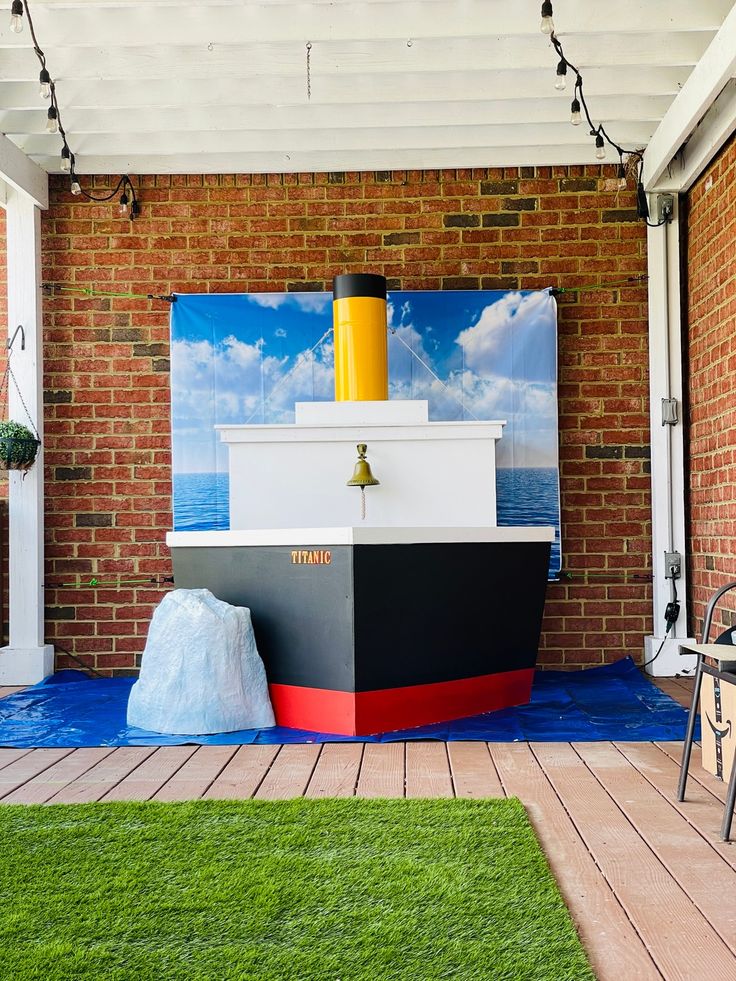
pixel 355 890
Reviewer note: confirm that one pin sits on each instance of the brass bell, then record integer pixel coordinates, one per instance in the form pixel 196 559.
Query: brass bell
pixel 362 476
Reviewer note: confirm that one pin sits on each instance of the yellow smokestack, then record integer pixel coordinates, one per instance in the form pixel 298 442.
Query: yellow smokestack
pixel 361 344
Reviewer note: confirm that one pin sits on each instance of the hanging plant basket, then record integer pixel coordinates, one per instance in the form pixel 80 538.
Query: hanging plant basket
pixel 18 446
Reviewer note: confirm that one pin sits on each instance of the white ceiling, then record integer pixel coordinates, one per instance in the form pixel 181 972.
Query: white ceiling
pixel 220 86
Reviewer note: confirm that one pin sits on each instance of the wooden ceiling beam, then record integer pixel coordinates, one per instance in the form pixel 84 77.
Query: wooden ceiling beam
pixel 239 60
pixel 23 174
pixel 382 90
pixel 419 138
pixel 707 81
pixel 174 22
pixel 231 117
pixel 301 161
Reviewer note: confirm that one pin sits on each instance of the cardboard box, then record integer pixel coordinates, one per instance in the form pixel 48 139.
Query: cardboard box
pixel 718 724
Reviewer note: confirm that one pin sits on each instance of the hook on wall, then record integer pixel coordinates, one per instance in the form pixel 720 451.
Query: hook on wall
pixel 22 338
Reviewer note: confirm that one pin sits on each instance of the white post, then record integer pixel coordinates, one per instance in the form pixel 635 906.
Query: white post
pixel 668 470
pixel 26 660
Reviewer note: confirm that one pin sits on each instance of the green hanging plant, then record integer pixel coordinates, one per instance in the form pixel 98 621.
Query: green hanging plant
pixel 18 446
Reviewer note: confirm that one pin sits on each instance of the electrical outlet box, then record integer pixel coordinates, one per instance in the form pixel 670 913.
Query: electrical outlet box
pixel 665 207
pixel 672 565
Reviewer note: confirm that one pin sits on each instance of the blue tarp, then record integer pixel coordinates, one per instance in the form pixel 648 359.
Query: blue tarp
pixel 613 702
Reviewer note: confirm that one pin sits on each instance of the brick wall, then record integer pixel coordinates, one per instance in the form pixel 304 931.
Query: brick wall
pixel 711 263
pixel 107 383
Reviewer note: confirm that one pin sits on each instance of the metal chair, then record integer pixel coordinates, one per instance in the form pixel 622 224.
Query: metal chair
pixel 730 677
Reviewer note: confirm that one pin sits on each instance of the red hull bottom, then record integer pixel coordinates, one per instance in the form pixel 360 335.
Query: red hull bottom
pixel 365 713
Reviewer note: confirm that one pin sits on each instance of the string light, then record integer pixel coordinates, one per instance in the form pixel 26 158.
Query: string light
pixel 621 174
pixel 47 90
pixel 561 76
pixel 547 26
pixel 44 81
pixel 52 120
pixel 16 17
pixel 580 106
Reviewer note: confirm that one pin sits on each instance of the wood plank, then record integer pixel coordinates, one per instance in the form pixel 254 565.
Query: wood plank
pixel 10 689
pixel 670 687
pixel 701 809
pixel 685 681
pixel 290 772
pixel 143 782
pixel 699 869
pixel 27 766
pixel 244 773
pixel 615 949
pixel 382 772
pixel 336 772
pixel 96 782
pixel 265 22
pixel 653 900
pixel 428 770
pixel 198 773
pixel 8 756
pixel 473 771
pixel 43 786
pixel 697 771
pixel 715 67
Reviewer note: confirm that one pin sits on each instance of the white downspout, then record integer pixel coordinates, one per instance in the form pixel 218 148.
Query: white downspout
pixel 668 449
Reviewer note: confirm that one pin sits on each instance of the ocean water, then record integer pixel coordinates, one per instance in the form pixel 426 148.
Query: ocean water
pixel 530 496
pixel 201 502
pixel 524 496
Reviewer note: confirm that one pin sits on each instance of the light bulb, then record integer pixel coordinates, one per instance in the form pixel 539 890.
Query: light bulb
pixel 561 76
pixel 123 204
pixel 66 159
pixel 600 149
pixel 547 25
pixel 621 177
pixel 16 17
pixel 52 123
pixel 575 117
pixel 75 188
pixel 44 81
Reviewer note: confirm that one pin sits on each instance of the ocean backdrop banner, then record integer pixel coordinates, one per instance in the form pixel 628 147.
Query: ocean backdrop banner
pixel 473 354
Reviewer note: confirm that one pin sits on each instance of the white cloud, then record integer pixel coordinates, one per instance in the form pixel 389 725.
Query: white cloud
pixel 237 382
pixel 511 332
pixel 311 302
pixel 279 332
pixel 270 300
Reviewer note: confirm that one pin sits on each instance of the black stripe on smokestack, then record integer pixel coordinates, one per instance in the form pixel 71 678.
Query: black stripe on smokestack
pixel 359 284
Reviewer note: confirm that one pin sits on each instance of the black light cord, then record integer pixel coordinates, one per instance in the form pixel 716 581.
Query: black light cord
pixel 671 613
pixel 126 185
pixel 128 199
pixel 79 661
pixel 599 132
pixel 579 96
pixel 659 651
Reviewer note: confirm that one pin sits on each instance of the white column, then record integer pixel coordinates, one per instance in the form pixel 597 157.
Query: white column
pixel 26 659
pixel 668 470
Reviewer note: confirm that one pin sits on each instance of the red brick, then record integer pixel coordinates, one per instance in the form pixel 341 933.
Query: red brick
pixel 256 232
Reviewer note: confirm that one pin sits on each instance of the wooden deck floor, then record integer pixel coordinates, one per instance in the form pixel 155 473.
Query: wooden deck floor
pixel 649 885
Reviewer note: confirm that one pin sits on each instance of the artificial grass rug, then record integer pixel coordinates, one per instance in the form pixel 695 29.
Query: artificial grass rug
pixel 299 890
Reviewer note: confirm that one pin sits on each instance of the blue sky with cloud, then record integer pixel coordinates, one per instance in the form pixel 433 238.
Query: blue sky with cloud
pixel 248 357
